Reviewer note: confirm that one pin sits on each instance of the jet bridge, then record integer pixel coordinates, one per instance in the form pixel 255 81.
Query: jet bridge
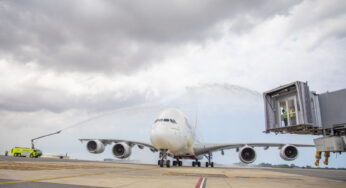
pixel 294 109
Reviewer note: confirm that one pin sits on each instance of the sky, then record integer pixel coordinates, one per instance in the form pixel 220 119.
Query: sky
pixel 110 67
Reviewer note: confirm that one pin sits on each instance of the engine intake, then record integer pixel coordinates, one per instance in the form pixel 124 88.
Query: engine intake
pixel 289 152
pixel 247 154
pixel 121 150
pixel 95 146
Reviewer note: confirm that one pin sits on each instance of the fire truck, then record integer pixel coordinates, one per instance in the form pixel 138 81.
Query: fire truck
pixel 26 152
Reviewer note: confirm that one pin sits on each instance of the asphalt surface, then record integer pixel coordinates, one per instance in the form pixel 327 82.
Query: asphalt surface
pixel 38 184
pixel 62 173
pixel 11 158
pixel 339 175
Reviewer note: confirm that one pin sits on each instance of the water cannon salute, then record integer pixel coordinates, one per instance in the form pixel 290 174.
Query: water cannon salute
pixel 188 85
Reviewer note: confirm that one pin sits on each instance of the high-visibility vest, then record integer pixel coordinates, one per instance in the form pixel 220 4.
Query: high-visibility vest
pixel 284 115
pixel 292 114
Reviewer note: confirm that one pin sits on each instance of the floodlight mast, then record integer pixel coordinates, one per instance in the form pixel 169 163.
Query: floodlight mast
pixel 32 140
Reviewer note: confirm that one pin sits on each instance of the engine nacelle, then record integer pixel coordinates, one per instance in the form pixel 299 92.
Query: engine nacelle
pixel 95 146
pixel 121 150
pixel 247 154
pixel 289 152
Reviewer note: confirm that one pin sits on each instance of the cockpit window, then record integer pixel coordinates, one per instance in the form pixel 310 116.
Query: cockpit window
pixel 166 120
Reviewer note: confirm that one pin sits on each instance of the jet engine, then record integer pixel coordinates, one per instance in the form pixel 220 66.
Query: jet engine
pixel 247 154
pixel 95 146
pixel 289 152
pixel 121 150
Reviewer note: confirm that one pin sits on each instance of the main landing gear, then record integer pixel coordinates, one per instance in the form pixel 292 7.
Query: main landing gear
pixel 163 159
pixel 177 163
pixel 211 164
pixel 209 156
pixel 196 163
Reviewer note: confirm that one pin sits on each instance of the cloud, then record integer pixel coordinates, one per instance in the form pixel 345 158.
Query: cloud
pixel 63 62
pixel 115 36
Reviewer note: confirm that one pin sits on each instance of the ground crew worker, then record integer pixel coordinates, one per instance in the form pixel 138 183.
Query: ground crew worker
pixel 284 116
pixel 292 116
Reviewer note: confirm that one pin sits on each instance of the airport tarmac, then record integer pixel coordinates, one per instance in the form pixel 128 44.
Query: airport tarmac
pixel 72 174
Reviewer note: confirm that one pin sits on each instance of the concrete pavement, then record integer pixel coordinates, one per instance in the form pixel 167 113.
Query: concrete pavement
pixel 98 174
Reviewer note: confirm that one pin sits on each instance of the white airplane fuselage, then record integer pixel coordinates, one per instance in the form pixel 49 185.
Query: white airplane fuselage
pixel 172 131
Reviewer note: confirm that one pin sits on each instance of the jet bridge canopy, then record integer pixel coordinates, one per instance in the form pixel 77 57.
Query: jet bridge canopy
pixel 292 109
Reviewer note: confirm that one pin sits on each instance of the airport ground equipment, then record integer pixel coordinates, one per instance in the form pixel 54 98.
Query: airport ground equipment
pixel 32 140
pixel 294 109
pixel 26 152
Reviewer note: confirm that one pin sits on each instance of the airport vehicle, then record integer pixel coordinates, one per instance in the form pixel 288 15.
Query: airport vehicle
pixel 25 152
pixel 174 136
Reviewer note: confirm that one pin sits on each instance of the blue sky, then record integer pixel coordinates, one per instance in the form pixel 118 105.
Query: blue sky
pixel 63 62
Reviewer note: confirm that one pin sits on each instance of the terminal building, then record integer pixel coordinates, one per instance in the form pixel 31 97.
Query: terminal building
pixel 294 109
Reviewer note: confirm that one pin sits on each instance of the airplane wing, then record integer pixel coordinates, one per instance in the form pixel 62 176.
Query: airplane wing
pixel 201 149
pixel 140 145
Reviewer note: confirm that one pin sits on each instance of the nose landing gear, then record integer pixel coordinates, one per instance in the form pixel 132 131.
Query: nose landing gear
pixel 163 159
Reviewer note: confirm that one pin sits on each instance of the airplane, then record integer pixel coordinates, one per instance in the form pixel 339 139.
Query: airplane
pixel 172 135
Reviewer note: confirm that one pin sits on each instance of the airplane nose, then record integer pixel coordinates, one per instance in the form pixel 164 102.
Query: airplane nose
pixel 165 138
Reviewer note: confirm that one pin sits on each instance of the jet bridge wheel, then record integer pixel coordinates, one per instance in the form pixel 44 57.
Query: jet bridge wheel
pixel 168 163
pixel 180 163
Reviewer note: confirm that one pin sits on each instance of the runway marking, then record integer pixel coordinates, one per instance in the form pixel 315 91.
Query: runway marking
pixel 201 183
pixel 73 176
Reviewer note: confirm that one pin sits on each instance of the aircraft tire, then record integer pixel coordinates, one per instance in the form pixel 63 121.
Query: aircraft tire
pixel 180 163
pixel 212 164
pixel 168 163
pixel 206 164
